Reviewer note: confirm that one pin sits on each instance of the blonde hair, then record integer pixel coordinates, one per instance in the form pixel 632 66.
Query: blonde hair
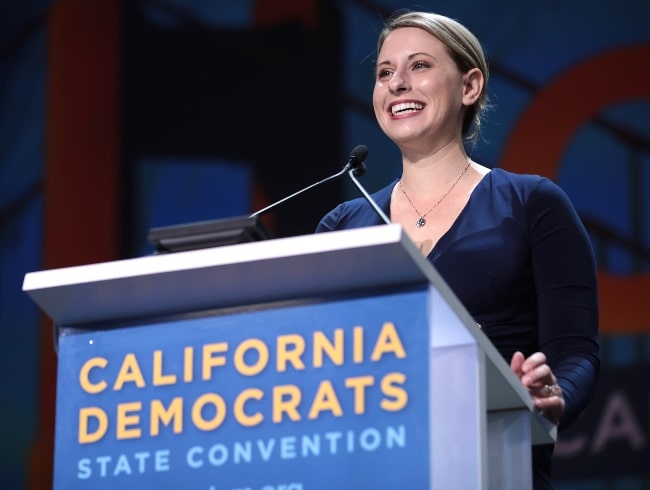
pixel 463 47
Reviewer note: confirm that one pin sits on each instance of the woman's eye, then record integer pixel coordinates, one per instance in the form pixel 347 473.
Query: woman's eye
pixel 420 64
pixel 383 73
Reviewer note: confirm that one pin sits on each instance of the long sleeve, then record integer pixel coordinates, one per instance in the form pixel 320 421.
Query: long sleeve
pixel 567 297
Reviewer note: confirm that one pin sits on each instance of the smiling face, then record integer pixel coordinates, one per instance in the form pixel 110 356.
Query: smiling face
pixel 420 95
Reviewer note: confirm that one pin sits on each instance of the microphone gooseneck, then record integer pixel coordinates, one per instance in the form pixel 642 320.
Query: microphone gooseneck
pixel 359 171
pixel 355 161
pixel 356 168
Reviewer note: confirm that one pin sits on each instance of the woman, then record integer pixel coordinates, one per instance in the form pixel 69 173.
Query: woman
pixel 510 246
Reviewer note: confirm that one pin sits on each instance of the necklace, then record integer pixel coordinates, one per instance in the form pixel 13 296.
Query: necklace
pixel 421 221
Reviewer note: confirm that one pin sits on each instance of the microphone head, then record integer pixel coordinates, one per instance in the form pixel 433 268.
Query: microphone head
pixel 358 155
pixel 356 159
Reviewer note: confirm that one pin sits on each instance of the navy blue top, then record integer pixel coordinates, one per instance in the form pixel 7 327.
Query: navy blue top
pixel 520 260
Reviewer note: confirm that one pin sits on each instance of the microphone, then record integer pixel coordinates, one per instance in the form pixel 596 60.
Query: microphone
pixel 359 171
pixel 353 165
pixel 357 157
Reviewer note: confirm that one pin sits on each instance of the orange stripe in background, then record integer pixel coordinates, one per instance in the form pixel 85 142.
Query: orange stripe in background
pixel 624 304
pixel 82 165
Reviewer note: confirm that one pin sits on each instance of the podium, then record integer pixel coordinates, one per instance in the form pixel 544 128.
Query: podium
pixel 338 360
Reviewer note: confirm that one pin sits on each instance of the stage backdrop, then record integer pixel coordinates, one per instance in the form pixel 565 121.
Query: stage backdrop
pixel 120 116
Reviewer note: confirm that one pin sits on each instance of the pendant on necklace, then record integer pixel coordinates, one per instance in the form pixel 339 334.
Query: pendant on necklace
pixel 420 222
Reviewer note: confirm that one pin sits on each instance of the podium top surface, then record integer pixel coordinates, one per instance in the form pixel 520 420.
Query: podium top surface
pixel 229 276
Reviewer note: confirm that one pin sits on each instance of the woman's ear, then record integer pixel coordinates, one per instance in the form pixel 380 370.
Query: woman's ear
pixel 473 82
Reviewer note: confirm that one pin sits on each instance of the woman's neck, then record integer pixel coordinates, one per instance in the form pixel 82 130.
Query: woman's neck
pixel 426 171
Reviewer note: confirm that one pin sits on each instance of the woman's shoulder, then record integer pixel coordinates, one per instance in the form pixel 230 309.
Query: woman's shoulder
pixel 524 186
pixel 535 195
pixel 501 177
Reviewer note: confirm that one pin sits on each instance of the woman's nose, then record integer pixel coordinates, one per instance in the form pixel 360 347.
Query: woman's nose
pixel 399 83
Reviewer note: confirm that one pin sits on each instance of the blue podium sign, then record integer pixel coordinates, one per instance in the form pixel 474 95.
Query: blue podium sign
pixel 298 397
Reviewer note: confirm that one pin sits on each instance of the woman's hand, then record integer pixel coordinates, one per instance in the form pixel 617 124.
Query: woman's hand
pixel 539 380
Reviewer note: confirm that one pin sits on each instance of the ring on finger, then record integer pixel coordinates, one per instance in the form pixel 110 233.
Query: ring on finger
pixel 550 390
